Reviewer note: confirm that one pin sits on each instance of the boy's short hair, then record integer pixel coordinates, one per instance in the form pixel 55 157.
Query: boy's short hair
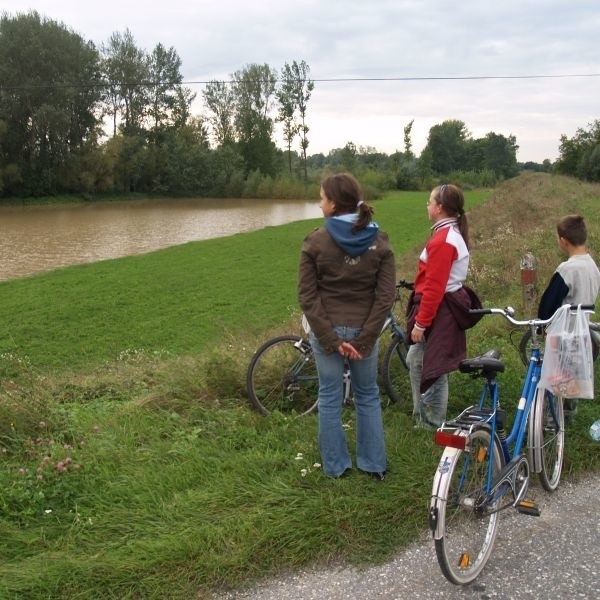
pixel 573 229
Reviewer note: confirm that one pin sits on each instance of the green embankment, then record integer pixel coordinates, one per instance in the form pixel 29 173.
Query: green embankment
pixel 132 466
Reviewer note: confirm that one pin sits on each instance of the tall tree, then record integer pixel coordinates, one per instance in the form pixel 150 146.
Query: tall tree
pixel 347 157
pixel 578 155
pixel 407 140
pixel 165 82
pixel 127 73
pixel 304 87
pixel 49 78
pixel 254 88
pixel 447 143
pixel 219 98
pixel 286 96
pixel 500 154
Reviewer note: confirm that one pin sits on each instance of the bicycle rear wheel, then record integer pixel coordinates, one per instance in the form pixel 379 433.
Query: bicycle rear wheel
pixel 549 428
pixel 282 375
pixel 466 531
pixel 394 372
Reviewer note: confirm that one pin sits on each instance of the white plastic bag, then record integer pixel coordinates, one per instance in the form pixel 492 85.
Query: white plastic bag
pixel 568 369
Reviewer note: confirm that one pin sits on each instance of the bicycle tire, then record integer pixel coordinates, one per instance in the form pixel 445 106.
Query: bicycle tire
pixel 467 533
pixel 394 372
pixel 549 431
pixel 282 375
pixel 524 347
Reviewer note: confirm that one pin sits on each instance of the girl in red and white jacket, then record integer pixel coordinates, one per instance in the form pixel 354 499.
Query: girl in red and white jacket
pixel 438 341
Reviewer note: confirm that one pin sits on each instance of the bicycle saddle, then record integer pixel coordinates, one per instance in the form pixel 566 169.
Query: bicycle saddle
pixel 486 363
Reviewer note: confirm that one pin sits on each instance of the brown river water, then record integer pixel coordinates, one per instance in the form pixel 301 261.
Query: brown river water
pixel 41 238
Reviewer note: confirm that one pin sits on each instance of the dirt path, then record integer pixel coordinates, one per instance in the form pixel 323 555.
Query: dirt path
pixel 555 555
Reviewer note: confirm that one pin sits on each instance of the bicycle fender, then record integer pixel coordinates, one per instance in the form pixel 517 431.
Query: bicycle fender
pixel 439 492
pixel 535 425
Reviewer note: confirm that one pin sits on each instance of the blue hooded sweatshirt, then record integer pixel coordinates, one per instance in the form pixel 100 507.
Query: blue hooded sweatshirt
pixel 354 243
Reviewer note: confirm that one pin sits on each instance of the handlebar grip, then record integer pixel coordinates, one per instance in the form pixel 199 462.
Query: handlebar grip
pixel 480 311
pixel 583 306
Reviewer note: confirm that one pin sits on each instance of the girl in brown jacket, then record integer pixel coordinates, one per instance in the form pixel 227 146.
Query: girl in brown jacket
pixel 346 288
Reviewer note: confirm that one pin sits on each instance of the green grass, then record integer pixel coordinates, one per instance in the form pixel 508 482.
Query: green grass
pixel 168 485
pixel 180 300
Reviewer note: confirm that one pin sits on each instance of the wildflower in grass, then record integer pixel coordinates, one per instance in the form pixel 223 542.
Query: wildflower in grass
pixel 304 472
pixel 317 465
pixel 299 456
pixel 21 471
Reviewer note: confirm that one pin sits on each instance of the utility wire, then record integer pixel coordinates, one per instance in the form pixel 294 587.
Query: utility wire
pixel 55 85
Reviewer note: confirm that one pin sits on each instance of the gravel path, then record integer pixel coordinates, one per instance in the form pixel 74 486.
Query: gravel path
pixel 555 555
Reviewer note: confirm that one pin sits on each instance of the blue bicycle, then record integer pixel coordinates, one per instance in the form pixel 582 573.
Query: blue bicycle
pixel 484 468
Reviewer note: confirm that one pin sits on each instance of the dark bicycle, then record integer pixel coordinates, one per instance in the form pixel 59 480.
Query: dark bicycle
pixel 282 374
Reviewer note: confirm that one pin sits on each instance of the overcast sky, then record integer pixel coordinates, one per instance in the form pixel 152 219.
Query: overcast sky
pixel 383 39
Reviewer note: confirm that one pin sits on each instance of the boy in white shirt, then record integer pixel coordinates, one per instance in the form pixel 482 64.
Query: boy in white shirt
pixel 575 281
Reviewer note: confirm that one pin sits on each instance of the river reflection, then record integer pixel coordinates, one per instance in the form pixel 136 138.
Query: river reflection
pixel 40 238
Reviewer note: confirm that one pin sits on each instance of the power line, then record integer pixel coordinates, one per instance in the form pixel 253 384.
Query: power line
pixel 460 77
pixel 62 85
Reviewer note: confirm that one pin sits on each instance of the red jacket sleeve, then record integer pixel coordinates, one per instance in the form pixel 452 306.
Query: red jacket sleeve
pixel 440 256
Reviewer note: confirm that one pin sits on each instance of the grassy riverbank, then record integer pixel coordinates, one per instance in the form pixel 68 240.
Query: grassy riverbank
pixel 132 464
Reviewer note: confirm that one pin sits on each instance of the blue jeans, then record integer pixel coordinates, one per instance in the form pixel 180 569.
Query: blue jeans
pixel 429 409
pixel 370 444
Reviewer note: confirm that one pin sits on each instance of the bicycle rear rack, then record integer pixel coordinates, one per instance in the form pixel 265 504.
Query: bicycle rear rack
pixel 455 433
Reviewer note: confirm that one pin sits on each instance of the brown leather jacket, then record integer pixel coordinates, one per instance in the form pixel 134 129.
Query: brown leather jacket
pixel 337 290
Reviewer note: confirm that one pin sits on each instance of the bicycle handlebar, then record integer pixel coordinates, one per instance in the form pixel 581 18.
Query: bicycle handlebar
pixel 407 285
pixel 509 311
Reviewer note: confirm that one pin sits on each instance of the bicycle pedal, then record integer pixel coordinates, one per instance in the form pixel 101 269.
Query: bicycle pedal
pixel 526 507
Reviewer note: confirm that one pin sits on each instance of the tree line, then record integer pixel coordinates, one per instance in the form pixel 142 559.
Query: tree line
pixel 76 118
pixel 579 156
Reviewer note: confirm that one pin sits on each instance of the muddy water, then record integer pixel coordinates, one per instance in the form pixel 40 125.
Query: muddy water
pixel 35 239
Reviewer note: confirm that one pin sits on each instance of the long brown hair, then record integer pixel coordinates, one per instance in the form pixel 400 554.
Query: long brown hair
pixel 344 190
pixel 452 200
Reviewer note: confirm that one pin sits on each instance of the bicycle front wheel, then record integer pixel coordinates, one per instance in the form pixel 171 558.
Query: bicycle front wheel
pixel 525 347
pixel 549 428
pixel 394 372
pixel 282 375
pixel 466 526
